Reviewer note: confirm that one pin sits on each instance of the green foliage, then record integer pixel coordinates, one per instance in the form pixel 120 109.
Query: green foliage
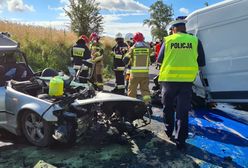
pixel 160 15
pixel 42 54
pixel 108 62
pixel 108 72
pixel 85 16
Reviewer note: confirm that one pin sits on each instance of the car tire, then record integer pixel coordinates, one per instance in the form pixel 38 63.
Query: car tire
pixel 36 130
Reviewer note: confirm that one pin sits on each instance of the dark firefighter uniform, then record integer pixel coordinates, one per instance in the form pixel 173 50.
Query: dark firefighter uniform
pixel 79 53
pixel 139 56
pixel 97 58
pixel 118 51
pixel 180 58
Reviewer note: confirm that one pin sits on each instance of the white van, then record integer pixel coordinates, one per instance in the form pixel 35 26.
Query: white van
pixel 223 30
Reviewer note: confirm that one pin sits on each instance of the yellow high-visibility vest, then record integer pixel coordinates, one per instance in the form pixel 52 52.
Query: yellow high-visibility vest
pixel 180 58
pixel 140 62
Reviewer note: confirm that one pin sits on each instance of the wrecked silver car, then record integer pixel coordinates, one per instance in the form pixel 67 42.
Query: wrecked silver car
pixel 27 107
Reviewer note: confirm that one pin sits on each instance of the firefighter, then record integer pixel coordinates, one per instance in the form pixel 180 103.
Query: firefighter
pixel 157 47
pixel 129 42
pixel 119 50
pixel 139 59
pixel 97 57
pixel 129 39
pixel 80 52
pixel 180 58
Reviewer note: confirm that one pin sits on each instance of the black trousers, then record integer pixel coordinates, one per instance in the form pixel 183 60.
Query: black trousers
pixel 119 80
pixel 85 74
pixel 179 94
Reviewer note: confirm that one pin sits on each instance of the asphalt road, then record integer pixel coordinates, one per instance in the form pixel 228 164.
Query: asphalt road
pixel 215 140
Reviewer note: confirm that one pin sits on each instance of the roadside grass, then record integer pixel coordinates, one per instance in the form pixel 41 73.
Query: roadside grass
pixel 48 47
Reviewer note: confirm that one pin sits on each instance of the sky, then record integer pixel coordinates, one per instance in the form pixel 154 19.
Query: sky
pixel 119 15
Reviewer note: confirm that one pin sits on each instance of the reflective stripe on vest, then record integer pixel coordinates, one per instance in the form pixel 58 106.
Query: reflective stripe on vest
pixel 77 67
pixel 99 84
pixel 95 48
pixel 141 60
pixel 120 86
pixel 118 56
pixel 180 58
pixel 119 69
pixel 78 52
pixel 139 69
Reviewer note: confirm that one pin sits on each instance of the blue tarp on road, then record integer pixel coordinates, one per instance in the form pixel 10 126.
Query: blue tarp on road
pixel 217 140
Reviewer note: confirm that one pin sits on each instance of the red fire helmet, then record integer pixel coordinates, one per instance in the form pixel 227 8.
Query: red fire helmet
pixel 138 37
pixel 85 38
pixel 94 36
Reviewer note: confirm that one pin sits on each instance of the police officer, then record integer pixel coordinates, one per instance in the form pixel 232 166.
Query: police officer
pixel 97 57
pixel 139 59
pixel 118 52
pixel 180 58
pixel 80 52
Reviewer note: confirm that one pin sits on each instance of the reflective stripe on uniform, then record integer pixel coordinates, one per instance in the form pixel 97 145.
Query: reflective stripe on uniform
pixel 78 52
pixel 119 69
pixel 141 50
pixel 118 56
pixel 181 68
pixel 79 67
pixel 179 76
pixel 120 86
pixel 84 68
pixel 139 70
pixel 99 84
pixel 95 48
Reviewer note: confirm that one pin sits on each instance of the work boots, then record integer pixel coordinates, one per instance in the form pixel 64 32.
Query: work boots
pixel 149 109
pixel 118 91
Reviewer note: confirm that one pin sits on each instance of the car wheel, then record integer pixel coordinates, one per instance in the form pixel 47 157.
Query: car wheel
pixel 36 130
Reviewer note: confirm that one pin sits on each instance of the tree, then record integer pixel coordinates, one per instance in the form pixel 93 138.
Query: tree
pixel 85 16
pixel 160 15
pixel 206 4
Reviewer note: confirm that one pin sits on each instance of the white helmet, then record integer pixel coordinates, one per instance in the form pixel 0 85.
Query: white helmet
pixel 157 40
pixel 118 36
pixel 129 37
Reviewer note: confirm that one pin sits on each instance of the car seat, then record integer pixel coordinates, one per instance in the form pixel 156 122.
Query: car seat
pixel 49 72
